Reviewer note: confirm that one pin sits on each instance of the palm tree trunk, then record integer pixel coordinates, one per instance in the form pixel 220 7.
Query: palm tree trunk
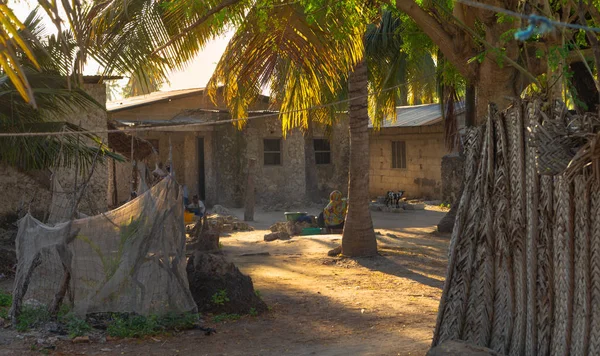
pixel 358 238
pixel 310 165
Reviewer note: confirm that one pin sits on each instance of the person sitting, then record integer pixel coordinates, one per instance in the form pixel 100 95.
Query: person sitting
pixel 334 214
pixel 196 206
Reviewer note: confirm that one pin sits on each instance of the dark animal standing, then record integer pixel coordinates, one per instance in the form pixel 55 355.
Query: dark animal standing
pixel 393 198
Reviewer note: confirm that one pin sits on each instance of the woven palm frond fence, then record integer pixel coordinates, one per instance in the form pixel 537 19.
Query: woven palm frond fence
pixel 524 269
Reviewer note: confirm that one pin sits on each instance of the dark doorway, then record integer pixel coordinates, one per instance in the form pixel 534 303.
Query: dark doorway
pixel 201 178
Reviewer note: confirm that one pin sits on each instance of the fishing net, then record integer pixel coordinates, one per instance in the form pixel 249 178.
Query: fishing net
pixel 131 259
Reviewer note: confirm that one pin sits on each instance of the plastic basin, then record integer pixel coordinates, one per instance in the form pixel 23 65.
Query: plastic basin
pixel 311 231
pixel 289 216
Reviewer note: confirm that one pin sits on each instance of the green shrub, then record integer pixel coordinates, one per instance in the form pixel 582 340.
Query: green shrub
pixel 220 298
pixel 75 325
pixel 31 317
pixel 253 312
pixel 5 299
pixel 5 303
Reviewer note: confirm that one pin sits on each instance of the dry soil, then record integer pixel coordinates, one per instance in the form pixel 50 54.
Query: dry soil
pixel 385 305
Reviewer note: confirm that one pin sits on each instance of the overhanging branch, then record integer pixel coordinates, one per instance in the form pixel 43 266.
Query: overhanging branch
pixel 440 36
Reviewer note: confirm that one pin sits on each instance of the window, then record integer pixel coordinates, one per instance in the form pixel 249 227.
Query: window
pixel 272 152
pixel 398 154
pixel 322 151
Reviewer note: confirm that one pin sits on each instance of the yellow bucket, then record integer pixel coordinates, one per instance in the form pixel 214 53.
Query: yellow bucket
pixel 188 217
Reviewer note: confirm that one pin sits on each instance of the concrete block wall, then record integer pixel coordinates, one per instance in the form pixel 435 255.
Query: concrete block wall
pixel 334 176
pixel 424 150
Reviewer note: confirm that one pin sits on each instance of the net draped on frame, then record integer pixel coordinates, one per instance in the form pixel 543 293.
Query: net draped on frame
pixel 131 259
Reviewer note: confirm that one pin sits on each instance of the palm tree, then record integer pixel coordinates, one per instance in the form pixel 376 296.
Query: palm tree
pixel 306 58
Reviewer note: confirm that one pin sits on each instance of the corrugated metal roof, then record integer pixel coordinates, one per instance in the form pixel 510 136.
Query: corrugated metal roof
pixel 193 117
pixel 417 115
pixel 150 98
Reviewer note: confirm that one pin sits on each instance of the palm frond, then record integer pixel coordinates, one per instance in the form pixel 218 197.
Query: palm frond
pixel 56 97
pixel 303 57
pixel 12 40
pixel 127 34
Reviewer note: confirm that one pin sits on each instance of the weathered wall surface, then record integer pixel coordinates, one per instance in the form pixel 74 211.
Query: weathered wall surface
pixel 452 177
pixel 275 183
pixel 424 150
pixel 228 148
pixel 334 176
pixel 22 191
pixel 19 187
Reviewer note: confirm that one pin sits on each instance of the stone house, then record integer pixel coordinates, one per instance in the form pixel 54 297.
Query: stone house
pixel 407 154
pixel 33 190
pixel 211 156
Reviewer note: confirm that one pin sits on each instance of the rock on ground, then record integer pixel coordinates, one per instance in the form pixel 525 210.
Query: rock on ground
pixel 278 226
pixel 446 225
pixel 206 241
pixel 221 210
pixel 292 228
pixel 220 223
pixel 334 252
pixel 280 235
pixel 210 274
pixel 457 348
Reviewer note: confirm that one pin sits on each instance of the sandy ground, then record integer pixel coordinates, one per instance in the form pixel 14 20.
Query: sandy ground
pixel 320 305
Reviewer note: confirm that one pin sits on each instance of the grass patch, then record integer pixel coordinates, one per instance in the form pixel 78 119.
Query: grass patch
pixel 226 317
pixel 135 326
pixel 75 325
pixel 32 317
pixel 5 303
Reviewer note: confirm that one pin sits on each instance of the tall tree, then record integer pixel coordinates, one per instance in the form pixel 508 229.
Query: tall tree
pixel 358 238
pixel 479 42
pixel 305 57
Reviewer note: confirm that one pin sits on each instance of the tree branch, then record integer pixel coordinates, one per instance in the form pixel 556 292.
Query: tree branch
pixel 443 39
pixel 200 21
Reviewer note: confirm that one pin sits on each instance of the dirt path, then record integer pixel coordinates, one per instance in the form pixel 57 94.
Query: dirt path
pixel 320 305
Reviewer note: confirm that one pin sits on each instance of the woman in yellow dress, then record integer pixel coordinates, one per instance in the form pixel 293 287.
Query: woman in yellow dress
pixel 334 214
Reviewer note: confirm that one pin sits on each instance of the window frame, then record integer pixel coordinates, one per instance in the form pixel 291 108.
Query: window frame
pixel 396 146
pixel 279 152
pixel 317 152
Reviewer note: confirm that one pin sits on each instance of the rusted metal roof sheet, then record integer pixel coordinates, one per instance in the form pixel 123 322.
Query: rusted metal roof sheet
pixel 418 115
